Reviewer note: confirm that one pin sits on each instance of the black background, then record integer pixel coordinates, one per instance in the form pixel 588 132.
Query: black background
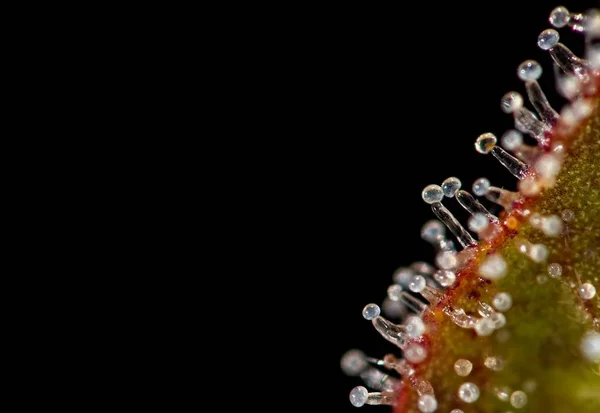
pixel 386 99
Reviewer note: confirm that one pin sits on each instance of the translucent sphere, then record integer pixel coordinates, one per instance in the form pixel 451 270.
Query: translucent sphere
pixel 415 326
pixel 478 222
pixel 450 186
pixel 394 292
pixel 485 142
pixel 415 353
pixel 403 275
pixel 445 278
pixel 512 140
pixel 446 260
pixel 494 363
pixel 371 311
pixel 518 399
pixel 481 186
pixel 554 270
pixel 353 362
pixel 548 39
pixel 456 411
pixel 499 320
pixel 590 346
pixel 484 327
pixel 468 392
pixel 359 396
pixel 432 194
pixel 587 291
pixel 417 284
pixel 433 230
pixel 511 102
pixel 502 301
pixel 529 70
pixel 559 17
pixel 493 267
pixel 463 367
pixel 427 403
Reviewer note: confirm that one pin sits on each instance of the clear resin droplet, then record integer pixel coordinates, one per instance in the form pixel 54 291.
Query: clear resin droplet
pixel 353 362
pixel 403 275
pixel 502 301
pixel 493 267
pixel 559 17
pixel 587 291
pixel 415 353
pixel 499 320
pixel 548 39
pixel 529 70
pixel 417 284
pixel 445 278
pixel 590 347
pixel 394 292
pixel 463 367
pixel 359 396
pixel 415 326
pixel 494 363
pixel 478 222
pixel 512 140
pixel 485 142
pixel 433 230
pixel 484 327
pixel 511 102
pixel 371 311
pixel 468 392
pixel 481 186
pixel 450 186
pixel 427 403
pixel 432 194
pixel 518 399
